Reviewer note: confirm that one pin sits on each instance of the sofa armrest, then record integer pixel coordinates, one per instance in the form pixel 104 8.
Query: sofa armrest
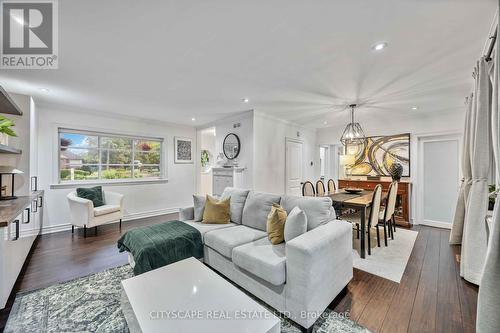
pixel 319 265
pixel 81 210
pixel 186 214
pixel 113 198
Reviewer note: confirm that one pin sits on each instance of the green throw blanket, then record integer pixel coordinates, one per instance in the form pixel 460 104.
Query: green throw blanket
pixel 161 244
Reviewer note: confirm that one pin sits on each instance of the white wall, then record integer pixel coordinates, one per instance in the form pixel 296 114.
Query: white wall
pixel 245 132
pixel 421 124
pixel 140 200
pixel 269 152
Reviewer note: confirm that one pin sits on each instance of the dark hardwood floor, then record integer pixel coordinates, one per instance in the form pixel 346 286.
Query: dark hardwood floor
pixel 430 298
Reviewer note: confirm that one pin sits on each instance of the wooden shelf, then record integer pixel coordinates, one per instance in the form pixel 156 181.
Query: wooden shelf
pixel 7 105
pixel 9 150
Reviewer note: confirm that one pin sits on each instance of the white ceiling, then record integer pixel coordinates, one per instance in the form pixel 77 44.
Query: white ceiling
pixel 299 60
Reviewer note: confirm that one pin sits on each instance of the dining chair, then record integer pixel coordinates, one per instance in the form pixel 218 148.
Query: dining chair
pixel 331 186
pixel 308 189
pixel 372 222
pixel 320 187
pixel 386 216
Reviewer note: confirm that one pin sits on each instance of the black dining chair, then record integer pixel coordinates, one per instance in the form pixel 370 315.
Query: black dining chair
pixel 387 215
pixel 331 185
pixel 372 222
pixel 320 187
pixel 308 189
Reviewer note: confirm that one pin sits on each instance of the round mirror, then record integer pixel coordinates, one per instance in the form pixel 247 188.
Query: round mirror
pixel 231 146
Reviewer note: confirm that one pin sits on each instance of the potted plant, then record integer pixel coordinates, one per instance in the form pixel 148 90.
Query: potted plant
pixel 205 159
pixel 6 130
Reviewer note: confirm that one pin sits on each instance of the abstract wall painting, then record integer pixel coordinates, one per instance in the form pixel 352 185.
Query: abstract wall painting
pixel 378 153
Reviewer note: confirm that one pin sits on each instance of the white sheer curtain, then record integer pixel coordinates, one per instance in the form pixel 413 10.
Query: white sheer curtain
pixel 458 220
pixel 472 227
pixel 488 305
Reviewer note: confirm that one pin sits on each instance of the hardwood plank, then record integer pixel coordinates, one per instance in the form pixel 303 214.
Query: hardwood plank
pixel 467 293
pixel 423 316
pixel 448 304
pixel 359 293
pixel 376 309
pixel 399 313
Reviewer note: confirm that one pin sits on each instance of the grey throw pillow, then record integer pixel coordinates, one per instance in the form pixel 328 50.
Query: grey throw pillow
pixel 199 207
pixel 238 198
pixel 296 224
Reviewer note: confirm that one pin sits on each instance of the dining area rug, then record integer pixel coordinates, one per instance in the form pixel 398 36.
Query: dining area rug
pixel 389 261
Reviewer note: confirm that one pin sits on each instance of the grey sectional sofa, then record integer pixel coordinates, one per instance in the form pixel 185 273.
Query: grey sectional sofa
pixel 299 278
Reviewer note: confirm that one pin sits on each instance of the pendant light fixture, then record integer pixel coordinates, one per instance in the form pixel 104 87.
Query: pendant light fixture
pixel 353 133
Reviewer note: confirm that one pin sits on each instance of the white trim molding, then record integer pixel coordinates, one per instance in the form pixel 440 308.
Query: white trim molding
pixel 109 183
pixel 437 224
pixel 129 217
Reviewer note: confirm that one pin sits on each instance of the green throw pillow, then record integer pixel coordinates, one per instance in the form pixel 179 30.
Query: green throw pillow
pixel 94 194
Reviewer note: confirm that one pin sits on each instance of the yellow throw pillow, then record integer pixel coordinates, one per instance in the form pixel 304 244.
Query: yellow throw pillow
pixel 216 212
pixel 276 224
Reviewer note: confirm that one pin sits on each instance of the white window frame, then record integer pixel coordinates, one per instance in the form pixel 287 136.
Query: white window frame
pixel 101 181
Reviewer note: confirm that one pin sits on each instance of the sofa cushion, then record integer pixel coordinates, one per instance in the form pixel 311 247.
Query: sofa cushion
pixel 106 209
pixel 262 259
pixel 257 208
pixel 318 209
pixel 276 224
pixel 199 206
pixel 238 198
pixel 93 194
pixel 216 211
pixel 203 228
pixel 225 240
pixel 296 224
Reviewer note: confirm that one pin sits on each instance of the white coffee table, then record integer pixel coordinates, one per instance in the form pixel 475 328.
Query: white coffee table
pixel 187 296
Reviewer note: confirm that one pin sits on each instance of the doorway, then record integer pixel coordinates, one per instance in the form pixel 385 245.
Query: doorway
pixel 293 167
pixel 439 178
pixel 207 158
pixel 324 163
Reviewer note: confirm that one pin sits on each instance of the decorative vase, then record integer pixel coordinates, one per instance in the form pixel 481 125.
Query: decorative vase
pixel 396 171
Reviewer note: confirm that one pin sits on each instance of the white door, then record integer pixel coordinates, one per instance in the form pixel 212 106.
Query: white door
pixel 440 180
pixel 293 167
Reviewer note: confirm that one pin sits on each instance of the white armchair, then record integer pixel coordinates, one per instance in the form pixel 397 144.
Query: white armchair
pixel 84 214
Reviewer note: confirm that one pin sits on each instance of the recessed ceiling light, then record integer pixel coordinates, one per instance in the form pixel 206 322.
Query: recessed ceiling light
pixel 325 123
pixel 193 119
pixel 245 100
pixel 380 46
pixel 414 107
pixel 44 90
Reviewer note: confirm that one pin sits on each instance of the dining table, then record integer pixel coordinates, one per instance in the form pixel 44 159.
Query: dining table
pixel 360 201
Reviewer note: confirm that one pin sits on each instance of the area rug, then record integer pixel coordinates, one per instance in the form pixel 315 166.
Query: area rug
pixel 387 261
pixel 92 304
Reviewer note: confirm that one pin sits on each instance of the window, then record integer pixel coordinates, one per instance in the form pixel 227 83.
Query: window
pixel 87 156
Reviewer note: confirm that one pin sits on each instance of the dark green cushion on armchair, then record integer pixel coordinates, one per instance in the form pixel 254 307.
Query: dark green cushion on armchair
pixel 94 194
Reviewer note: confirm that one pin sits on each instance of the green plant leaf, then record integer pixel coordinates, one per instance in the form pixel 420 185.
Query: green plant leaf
pixel 8 131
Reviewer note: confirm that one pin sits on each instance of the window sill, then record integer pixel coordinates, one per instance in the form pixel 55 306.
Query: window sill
pixel 109 183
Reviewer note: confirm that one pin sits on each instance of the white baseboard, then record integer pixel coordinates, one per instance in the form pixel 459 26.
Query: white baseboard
pixel 437 224
pixel 56 228
pixel 28 233
pixel 151 213
pixel 128 217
